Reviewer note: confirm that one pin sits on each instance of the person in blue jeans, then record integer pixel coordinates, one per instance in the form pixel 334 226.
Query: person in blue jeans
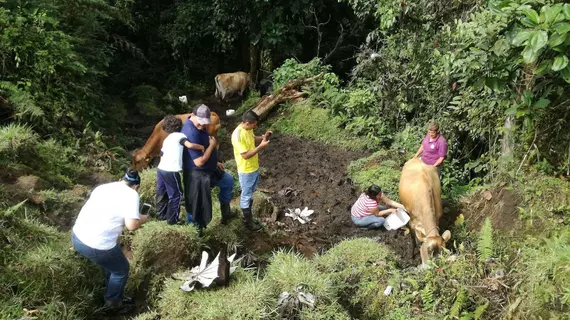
pixel 109 209
pixel 202 172
pixel 366 212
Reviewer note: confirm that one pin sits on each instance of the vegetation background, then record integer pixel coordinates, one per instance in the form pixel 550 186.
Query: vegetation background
pixel 81 79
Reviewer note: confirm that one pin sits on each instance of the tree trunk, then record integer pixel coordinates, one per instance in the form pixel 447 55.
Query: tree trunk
pixel 254 62
pixel 508 142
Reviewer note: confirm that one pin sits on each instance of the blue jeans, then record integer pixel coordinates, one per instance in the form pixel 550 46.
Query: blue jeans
pixel 248 183
pixel 115 264
pixel 370 222
pixel 226 185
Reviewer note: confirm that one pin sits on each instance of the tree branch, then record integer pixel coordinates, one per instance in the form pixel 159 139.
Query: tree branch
pixel 338 42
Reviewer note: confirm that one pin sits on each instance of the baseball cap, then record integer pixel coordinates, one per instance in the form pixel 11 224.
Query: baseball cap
pixel 202 113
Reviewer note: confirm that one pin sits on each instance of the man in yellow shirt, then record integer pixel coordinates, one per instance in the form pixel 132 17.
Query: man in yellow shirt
pixel 247 160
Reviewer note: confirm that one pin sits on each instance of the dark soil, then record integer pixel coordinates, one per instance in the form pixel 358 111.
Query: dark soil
pixel 297 173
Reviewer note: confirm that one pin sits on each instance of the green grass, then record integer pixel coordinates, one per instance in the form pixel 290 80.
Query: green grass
pixel 382 168
pixel 544 198
pixel 147 188
pixel 316 124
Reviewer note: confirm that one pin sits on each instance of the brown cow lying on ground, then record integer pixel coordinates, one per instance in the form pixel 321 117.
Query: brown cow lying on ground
pixel 151 149
pixel 231 83
pixel 420 193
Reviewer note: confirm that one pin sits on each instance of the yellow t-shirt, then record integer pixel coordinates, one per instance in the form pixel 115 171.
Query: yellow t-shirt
pixel 244 140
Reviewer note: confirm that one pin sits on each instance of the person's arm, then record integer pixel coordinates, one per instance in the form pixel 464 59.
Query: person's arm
pixel 265 136
pixel 438 162
pixel 442 152
pixel 391 202
pixel 134 224
pixel 201 161
pixel 376 211
pixel 250 153
pixel 420 151
pixel 194 146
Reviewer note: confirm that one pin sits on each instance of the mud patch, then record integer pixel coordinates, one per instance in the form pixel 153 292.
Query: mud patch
pixel 499 203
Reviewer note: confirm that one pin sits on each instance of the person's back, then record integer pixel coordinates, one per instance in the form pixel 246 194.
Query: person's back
pixel 172 148
pixel 102 218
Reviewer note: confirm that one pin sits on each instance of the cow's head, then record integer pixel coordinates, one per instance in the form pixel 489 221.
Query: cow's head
pixel 433 244
pixel 140 160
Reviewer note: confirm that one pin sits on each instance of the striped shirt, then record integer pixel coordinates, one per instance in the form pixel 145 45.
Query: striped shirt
pixel 362 205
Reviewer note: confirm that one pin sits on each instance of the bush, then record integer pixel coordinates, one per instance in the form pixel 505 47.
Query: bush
pixel 292 69
pixel 545 198
pixel 244 298
pixel 317 124
pixel 159 248
pixel 382 168
pixel 147 189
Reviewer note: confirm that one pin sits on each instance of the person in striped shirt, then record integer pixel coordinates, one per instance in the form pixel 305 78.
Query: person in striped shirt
pixel 366 211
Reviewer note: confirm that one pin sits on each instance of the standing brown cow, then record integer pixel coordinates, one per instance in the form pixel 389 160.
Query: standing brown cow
pixel 420 193
pixel 231 83
pixel 151 149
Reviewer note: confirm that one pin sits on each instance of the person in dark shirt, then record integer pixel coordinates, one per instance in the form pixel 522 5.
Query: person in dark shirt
pixel 203 171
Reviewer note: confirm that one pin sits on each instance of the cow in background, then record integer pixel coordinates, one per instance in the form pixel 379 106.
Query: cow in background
pixel 228 84
pixel 151 149
pixel 420 193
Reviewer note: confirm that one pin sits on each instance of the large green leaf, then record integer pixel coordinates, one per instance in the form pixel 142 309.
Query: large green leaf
pixel 544 67
pixel 531 15
pixel 565 73
pixel 500 47
pixel 562 28
pixel 566 10
pixel 560 62
pixel 557 39
pixel 538 39
pixel 550 12
pixel 542 103
pixel 521 37
pixel 529 55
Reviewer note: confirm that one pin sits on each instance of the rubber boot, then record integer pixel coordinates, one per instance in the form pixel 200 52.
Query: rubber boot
pixel 226 212
pixel 249 222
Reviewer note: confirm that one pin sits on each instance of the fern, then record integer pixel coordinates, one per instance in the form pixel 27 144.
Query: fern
pixel 480 311
pixel 485 242
pixel 459 303
pixel 427 297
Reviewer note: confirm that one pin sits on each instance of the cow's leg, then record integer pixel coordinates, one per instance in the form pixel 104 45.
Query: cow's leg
pixel 414 244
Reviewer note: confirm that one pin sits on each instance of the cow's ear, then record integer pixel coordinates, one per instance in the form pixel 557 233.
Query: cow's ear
pixel 420 234
pixel 446 235
pixel 147 160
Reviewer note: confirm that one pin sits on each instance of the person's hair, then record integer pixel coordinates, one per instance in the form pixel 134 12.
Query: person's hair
pixel 171 124
pixel 433 126
pixel 250 116
pixel 373 191
pixel 132 178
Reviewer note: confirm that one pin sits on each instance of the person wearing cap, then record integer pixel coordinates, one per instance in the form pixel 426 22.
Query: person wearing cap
pixel 247 160
pixel 168 183
pixel 433 149
pixel 366 212
pixel 109 209
pixel 203 171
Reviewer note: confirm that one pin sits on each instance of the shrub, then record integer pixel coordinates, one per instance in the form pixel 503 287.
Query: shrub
pixel 292 69
pixel 544 197
pixel 147 189
pixel 161 248
pixel 244 298
pixel 382 168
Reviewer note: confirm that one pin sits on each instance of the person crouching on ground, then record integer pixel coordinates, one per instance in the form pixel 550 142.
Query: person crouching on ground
pixel 168 183
pixel 367 213
pixel 247 160
pixel 108 210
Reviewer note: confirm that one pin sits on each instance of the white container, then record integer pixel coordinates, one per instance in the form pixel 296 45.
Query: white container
pixel 396 220
pixel 229 112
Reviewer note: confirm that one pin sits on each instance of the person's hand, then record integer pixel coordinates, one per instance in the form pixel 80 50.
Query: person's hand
pixel 267 134
pixel 264 143
pixel 213 141
pixel 201 148
pixel 144 218
pixel 393 210
pixel 221 166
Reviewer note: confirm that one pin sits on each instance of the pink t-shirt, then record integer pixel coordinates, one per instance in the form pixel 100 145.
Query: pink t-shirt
pixel 362 205
pixel 433 150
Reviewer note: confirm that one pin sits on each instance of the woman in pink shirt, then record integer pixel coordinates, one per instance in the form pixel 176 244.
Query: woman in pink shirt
pixel 367 213
pixel 433 148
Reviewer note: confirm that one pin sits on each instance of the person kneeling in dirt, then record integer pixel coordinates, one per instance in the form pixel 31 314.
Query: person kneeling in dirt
pixel 108 210
pixel 247 160
pixel 367 213
pixel 168 183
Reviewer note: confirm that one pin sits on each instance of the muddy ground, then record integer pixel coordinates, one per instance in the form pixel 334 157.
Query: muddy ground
pixel 297 173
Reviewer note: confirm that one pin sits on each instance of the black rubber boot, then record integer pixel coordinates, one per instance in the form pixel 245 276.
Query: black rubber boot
pixel 248 220
pixel 226 212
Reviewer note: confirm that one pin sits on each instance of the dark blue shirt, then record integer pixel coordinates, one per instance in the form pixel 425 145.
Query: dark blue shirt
pixel 189 155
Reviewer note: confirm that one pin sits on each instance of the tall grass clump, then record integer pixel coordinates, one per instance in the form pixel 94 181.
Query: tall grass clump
pixel 382 168
pixel 147 189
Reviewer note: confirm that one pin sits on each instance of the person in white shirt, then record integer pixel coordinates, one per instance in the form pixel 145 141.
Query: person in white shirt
pixel 109 209
pixel 168 183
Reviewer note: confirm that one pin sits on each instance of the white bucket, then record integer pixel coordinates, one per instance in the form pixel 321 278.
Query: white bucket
pixel 229 112
pixel 396 220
